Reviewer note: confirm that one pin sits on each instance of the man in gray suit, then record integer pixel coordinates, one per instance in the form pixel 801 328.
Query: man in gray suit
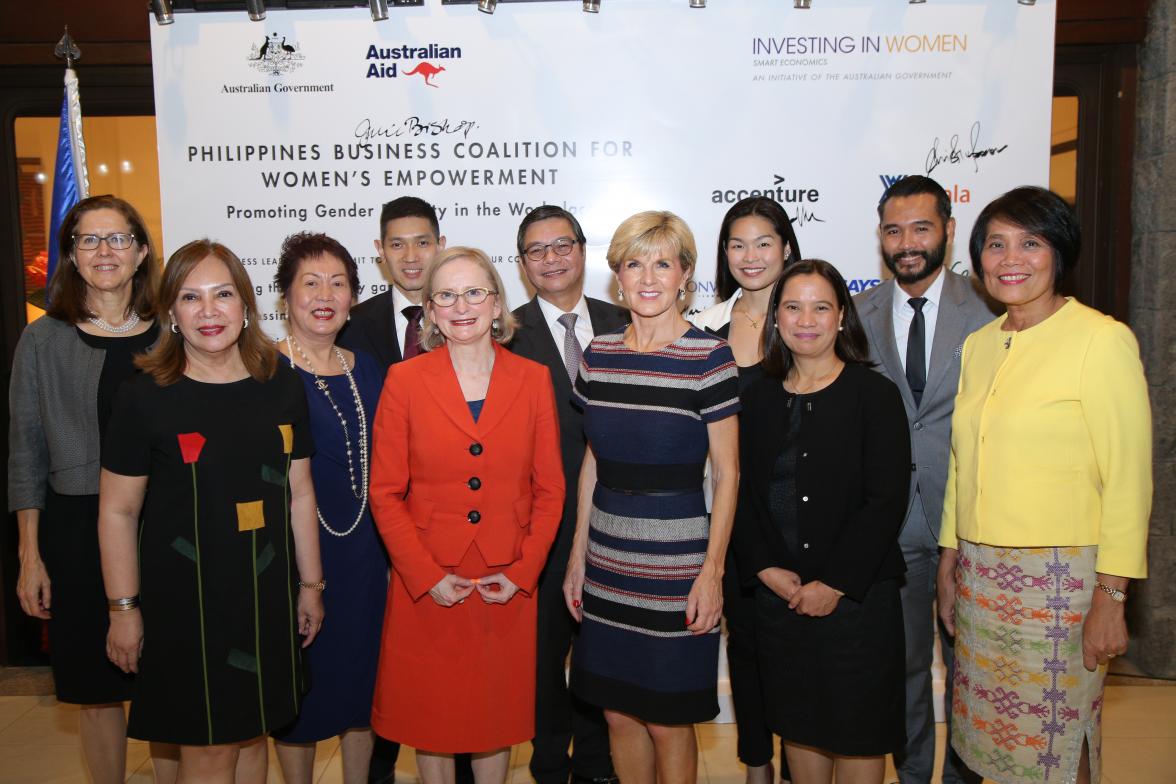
pixel 916 323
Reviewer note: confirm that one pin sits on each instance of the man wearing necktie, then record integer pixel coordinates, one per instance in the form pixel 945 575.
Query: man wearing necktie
pixel 554 329
pixel 916 323
pixel 386 326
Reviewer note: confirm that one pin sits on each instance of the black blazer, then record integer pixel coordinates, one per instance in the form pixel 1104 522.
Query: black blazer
pixel 533 340
pixel 372 330
pixel 852 483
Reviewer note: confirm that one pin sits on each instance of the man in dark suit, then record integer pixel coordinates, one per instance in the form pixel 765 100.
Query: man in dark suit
pixel 385 325
pixel 916 323
pixel 554 329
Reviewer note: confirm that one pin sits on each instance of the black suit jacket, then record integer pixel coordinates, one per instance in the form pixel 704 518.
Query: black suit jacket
pixel 533 340
pixel 852 481
pixel 372 330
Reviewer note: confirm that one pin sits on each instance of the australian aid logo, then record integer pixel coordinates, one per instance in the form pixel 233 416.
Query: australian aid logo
pixel 428 62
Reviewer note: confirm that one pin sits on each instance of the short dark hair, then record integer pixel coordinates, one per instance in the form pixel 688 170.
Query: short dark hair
pixel 304 245
pixel 545 212
pixel 852 346
pixel 408 207
pixel 769 210
pixel 67 289
pixel 1037 211
pixel 916 185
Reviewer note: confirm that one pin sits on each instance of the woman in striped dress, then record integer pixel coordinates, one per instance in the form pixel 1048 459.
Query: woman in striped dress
pixel 646 568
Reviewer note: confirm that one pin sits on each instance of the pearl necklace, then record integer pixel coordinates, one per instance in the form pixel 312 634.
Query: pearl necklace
pixel 131 322
pixel 360 492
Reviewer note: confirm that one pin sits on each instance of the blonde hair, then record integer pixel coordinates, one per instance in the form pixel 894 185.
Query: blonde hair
pixel 649 232
pixel 431 336
pixel 167 361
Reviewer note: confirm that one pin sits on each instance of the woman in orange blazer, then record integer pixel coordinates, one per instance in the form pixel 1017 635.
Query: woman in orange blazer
pixel 467 490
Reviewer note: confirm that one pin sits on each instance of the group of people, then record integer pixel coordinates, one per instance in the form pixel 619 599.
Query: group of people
pixel 395 524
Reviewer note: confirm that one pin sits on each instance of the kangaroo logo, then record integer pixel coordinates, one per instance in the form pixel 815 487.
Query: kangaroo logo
pixel 427 70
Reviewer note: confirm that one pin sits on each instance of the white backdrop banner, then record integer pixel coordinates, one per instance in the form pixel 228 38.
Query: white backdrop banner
pixel 311 120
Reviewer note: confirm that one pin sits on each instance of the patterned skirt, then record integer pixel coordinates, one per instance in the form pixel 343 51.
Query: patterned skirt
pixel 634 654
pixel 1023 703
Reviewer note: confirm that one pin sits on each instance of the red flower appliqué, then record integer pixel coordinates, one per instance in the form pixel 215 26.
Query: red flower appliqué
pixel 190 446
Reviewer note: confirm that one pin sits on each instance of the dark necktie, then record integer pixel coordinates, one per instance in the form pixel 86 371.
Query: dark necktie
pixel 412 335
pixel 916 362
pixel 572 352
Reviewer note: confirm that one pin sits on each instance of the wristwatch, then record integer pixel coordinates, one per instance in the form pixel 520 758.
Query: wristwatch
pixel 1114 593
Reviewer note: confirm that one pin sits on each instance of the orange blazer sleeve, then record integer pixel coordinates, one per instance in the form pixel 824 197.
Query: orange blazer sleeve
pixel 547 486
pixel 389 486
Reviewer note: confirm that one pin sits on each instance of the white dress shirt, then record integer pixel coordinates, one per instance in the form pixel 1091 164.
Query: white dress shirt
pixel 583 324
pixel 399 303
pixel 904 314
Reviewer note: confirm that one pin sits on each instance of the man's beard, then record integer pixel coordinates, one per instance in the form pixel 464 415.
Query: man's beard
pixel 932 261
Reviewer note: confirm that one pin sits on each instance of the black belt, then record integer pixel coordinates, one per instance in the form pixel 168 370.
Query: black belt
pixel 650 493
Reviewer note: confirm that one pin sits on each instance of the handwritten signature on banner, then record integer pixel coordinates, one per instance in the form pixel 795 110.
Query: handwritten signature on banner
pixel 804 215
pixel 953 154
pixel 413 126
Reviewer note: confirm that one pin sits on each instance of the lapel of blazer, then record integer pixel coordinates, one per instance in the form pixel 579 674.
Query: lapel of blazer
pixel 396 355
pixel 605 316
pixel 506 382
pixel 439 378
pixel 543 348
pixel 950 331
pixel 879 322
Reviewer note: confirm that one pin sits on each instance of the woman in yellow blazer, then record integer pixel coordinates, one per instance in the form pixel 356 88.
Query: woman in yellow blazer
pixel 1047 504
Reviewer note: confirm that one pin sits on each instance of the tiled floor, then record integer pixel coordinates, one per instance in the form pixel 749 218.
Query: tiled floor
pixel 39 744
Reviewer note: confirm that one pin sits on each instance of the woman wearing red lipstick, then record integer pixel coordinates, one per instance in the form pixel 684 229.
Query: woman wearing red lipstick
pixel 66 371
pixel 825 458
pixel 756 242
pixel 319 280
pixel 1048 498
pixel 207 526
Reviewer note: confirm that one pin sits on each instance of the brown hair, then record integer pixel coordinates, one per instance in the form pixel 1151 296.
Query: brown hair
pixel 431 337
pixel 648 232
pixel 167 362
pixel 67 291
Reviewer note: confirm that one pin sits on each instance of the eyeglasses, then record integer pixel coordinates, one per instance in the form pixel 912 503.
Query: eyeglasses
pixel 562 247
pixel 447 299
pixel 118 241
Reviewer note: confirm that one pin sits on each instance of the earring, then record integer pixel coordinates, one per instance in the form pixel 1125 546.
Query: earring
pixel 840 328
pixel 681 293
pixel 495 328
pixel 620 293
pixel 246 324
pixel 175 329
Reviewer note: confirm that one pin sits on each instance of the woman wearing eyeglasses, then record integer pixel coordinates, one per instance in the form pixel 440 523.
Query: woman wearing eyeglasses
pixel 67 368
pixel 467 492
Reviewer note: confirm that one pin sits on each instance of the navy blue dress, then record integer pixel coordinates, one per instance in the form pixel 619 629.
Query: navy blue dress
pixel 646 416
pixel 341 662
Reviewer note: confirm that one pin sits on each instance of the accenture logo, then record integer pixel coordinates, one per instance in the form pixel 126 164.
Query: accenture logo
pixel 391 62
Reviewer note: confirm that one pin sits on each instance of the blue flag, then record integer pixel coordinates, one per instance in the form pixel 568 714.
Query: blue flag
pixel 70 183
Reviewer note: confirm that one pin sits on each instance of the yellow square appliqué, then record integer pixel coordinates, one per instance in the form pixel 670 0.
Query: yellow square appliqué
pixel 250 516
pixel 287 438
